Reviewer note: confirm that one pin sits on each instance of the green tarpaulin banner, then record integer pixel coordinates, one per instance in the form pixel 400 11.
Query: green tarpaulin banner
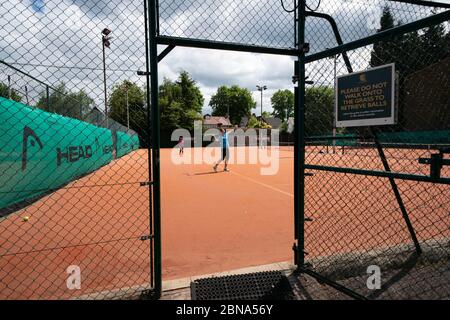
pixel 126 143
pixel 416 137
pixel 41 151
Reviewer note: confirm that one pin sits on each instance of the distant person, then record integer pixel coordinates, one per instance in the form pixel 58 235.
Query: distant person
pixel 180 145
pixel 225 150
pixel 262 142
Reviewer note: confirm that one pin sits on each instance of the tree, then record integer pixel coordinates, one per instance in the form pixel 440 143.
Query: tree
pixel 386 50
pixel 235 100
pixel 410 52
pixel 191 98
pixel 319 105
pixel 253 122
pixel 66 103
pixel 181 102
pixel 137 112
pixel 5 93
pixel 283 104
pixel 435 43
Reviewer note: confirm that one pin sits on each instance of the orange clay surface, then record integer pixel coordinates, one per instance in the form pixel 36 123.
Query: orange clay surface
pixel 211 222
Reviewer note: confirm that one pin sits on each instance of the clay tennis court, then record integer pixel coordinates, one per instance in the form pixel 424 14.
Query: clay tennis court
pixel 211 222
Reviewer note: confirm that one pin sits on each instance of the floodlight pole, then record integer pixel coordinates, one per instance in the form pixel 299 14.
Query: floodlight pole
pixel 128 110
pixel 262 101
pixel 9 87
pixel 47 97
pixel 104 83
pixel 105 43
pixel 334 113
pixel 26 95
pixel 335 58
pixel 261 88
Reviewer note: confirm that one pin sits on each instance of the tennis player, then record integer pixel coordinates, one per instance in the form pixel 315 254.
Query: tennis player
pixel 225 149
pixel 180 145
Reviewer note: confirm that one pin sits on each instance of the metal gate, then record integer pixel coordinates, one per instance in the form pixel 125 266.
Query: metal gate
pixel 77 184
pixel 374 221
pixel 362 196
pixel 77 81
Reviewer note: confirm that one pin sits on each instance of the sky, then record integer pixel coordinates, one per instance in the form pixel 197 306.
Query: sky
pixel 59 40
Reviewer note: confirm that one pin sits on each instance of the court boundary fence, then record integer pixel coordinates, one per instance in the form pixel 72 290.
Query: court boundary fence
pixel 159 35
pixel 398 171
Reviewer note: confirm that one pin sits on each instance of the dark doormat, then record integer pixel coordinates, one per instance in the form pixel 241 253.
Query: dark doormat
pixel 270 285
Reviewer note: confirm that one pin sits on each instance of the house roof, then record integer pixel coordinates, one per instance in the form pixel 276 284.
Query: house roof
pixel 274 122
pixel 244 122
pixel 212 120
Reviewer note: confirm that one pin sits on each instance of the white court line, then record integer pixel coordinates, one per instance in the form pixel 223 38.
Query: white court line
pixel 262 184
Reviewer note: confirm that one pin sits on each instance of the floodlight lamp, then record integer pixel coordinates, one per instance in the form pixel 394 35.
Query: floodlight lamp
pixel 106 31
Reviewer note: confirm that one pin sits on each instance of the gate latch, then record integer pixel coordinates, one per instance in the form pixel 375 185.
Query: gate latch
pixel 436 161
pixel 295 77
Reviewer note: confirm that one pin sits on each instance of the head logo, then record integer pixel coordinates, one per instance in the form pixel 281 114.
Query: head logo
pixel 362 77
pixel 28 132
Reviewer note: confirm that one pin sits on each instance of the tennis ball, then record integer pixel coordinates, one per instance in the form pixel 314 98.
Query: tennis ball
pixel 25 219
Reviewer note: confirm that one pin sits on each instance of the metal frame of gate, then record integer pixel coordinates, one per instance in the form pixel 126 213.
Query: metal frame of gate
pixel 300 167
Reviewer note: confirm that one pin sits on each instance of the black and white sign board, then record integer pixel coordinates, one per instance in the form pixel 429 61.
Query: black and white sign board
pixel 366 98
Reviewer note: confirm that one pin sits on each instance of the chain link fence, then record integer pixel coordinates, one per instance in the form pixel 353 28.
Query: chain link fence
pixel 262 23
pixel 359 219
pixel 372 197
pixel 76 215
pixel 75 208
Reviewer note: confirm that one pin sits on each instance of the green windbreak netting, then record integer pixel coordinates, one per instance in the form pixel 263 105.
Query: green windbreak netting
pixel 40 151
pixel 397 139
pixel 126 143
pixel 341 140
pixel 416 137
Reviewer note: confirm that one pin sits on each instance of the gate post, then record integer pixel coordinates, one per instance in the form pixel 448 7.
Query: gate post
pixel 299 148
pixel 155 147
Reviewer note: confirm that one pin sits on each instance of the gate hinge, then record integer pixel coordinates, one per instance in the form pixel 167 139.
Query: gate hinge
pixel 146 237
pixel 295 77
pixel 142 73
pixel 305 47
pixel 145 183
pixel 295 80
